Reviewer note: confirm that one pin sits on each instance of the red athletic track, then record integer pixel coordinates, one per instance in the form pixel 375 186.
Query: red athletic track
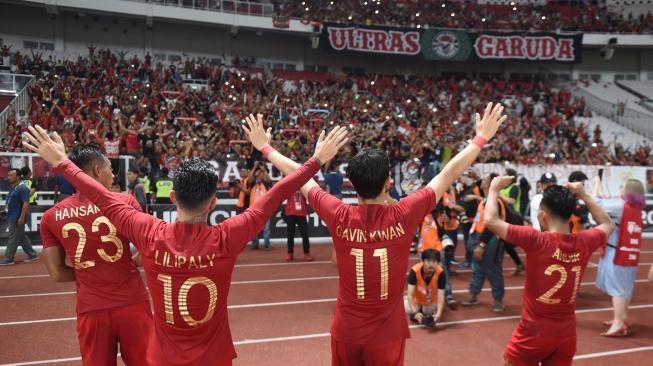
pixel 297 333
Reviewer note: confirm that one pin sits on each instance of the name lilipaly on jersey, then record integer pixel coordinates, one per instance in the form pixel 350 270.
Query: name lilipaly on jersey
pixel 166 259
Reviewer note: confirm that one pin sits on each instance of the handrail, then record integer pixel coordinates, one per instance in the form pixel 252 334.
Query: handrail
pixel 21 99
pixel 221 6
pixel 638 122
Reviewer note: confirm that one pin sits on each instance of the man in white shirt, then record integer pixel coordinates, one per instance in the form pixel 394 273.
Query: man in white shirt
pixel 548 179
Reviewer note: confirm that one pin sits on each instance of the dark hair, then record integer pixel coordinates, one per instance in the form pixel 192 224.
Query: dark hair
pixel 492 176
pixel 164 172
pixel 513 173
pixel 559 201
pixel 109 135
pixel 24 171
pixel 194 182
pixel 524 185
pixel 368 171
pixel 143 170
pixel 133 170
pixel 15 170
pixel 431 255
pixel 85 156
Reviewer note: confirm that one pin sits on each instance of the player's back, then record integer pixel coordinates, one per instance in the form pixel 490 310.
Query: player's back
pixel 105 273
pixel 372 244
pixel 556 264
pixel 189 269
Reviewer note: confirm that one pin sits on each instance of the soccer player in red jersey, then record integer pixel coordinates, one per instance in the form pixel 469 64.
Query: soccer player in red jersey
pixel 112 303
pixel 188 264
pixel 557 259
pixel 372 243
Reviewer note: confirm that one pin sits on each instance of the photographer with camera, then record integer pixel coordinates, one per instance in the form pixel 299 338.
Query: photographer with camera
pixel 257 187
pixel 426 284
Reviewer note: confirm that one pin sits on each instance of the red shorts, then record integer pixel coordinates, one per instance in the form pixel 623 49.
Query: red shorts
pixel 524 350
pixel 99 333
pixel 384 354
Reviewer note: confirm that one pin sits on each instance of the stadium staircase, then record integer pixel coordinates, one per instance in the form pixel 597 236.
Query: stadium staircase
pixel 618 105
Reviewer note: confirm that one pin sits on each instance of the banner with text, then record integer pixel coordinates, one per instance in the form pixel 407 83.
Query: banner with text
pixel 454 45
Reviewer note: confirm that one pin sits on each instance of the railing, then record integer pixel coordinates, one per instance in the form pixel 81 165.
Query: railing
pixel 638 122
pixel 223 6
pixel 43 173
pixel 17 85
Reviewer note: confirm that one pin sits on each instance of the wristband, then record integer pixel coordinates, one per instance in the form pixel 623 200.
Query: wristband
pixel 479 141
pixel 318 160
pixel 267 150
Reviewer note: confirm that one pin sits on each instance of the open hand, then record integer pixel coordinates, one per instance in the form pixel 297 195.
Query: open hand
pixel 492 119
pixel 501 182
pixel 255 131
pixel 51 150
pixel 327 147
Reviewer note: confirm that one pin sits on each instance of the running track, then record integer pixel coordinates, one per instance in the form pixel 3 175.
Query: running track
pixel 280 315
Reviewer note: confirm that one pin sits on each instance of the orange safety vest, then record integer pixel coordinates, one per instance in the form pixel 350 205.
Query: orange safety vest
pixel 574 224
pixel 241 195
pixel 426 293
pixel 257 191
pixel 479 221
pixel 429 238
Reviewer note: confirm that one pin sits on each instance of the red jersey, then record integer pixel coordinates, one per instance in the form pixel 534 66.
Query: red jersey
pixel 188 267
pixel 105 274
pixel 372 244
pixel 296 205
pixel 556 263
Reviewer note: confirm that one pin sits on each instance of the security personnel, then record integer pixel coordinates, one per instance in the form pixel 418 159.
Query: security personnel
pixel 512 194
pixel 30 183
pixel 147 184
pixel 426 284
pixel 163 187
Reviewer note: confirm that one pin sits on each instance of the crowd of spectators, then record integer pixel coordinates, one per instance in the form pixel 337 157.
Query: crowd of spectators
pixel 585 16
pixel 136 107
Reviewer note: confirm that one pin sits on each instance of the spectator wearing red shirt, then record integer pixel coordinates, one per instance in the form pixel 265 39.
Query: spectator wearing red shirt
pixel 295 215
pixel 557 260
pixel 192 329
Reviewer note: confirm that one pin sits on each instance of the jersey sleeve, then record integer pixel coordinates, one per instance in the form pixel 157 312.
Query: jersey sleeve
pixel 325 205
pixel 48 238
pixel 523 236
pixel 412 277
pixel 418 204
pixel 135 225
pixel 242 228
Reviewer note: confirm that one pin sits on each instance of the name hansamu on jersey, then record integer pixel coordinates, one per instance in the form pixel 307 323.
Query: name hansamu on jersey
pixel 105 273
pixel 556 264
pixel 372 244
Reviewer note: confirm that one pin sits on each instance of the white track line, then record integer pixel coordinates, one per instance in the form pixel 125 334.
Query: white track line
pixel 285 280
pixel 56 360
pixel 611 353
pixel 41 294
pixel 29 276
pixel 299 302
pixel 467 321
pixel 323 335
pixel 278 264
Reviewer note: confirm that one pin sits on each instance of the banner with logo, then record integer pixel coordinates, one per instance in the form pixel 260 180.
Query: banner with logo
pixel 454 45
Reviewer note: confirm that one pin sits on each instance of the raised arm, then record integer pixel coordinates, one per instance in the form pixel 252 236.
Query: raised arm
pixel 486 128
pixel 492 220
pixel 260 139
pixel 245 226
pixel 600 216
pixel 128 221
